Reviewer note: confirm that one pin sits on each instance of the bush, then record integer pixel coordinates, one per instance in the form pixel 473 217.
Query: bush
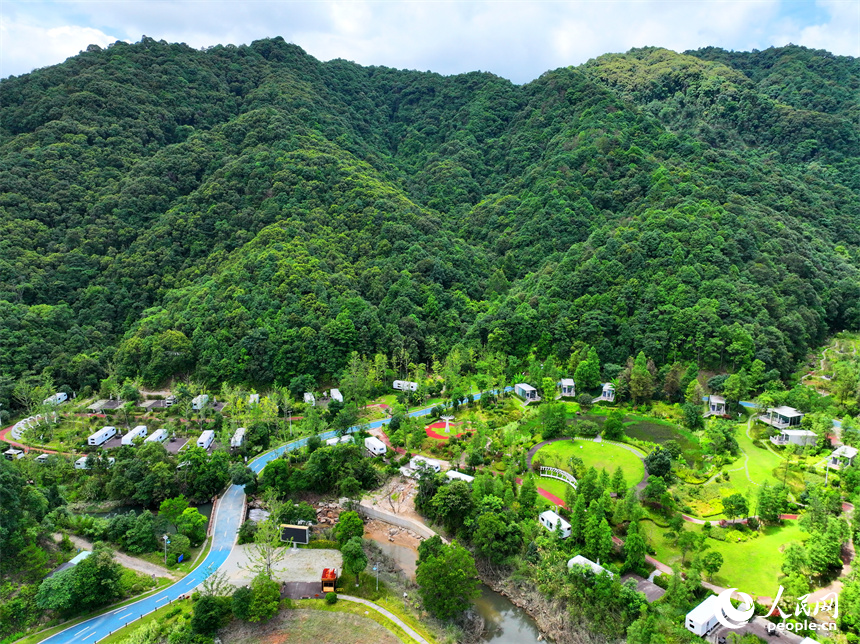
pixel 247 531
pixel 331 598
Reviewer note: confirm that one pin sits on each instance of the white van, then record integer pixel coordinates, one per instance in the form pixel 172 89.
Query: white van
pixel 206 439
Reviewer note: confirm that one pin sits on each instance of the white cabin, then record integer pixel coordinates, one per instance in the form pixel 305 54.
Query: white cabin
pixel 703 618
pixel 454 475
pixel 56 399
pixel 579 560
pixel 568 387
pixel 206 439
pixel 843 456
pixel 335 394
pixel 405 385
pixel 158 436
pixel 137 432
pixel 102 436
pixel 375 446
pixel 199 402
pixel 238 437
pixel 550 519
pixel 309 399
pixel 526 392
pixel 716 405
pixel 782 417
pixel 800 437
pixel 42 458
pixel 607 393
pixel 420 462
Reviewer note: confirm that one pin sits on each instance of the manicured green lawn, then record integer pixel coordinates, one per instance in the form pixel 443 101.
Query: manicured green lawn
pixel 752 566
pixel 598 455
pixel 760 465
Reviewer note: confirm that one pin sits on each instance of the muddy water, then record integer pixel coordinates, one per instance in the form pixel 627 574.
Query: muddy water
pixel 506 623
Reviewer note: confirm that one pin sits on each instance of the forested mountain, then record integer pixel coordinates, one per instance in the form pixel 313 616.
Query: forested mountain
pixel 251 214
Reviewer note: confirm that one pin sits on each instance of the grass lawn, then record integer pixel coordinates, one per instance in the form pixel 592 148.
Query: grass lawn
pixel 752 566
pixel 598 455
pixel 761 464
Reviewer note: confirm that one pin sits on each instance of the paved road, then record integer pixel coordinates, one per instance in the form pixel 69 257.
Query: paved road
pixel 225 526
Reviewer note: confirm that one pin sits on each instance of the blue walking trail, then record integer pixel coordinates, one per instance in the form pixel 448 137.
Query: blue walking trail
pixel 225 525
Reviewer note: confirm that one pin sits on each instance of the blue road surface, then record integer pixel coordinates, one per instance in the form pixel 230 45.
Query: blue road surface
pixel 225 526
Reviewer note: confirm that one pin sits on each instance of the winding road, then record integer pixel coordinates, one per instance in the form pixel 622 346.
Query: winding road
pixel 225 525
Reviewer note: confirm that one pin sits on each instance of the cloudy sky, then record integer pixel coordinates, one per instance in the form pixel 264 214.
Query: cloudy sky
pixel 515 39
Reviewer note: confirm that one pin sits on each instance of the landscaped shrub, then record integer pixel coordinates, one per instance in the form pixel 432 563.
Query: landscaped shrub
pixel 331 598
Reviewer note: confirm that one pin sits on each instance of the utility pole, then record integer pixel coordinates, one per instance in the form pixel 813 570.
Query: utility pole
pixel 166 541
pixel 376 570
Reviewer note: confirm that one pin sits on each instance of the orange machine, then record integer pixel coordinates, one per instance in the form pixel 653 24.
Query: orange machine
pixel 329 579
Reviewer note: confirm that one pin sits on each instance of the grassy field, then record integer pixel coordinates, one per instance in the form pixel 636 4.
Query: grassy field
pixel 316 622
pixel 752 566
pixel 598 455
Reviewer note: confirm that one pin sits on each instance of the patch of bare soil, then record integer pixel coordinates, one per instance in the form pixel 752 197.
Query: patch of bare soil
pixel 308 627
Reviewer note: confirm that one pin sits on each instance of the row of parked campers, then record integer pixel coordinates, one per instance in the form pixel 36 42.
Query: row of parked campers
pixel 106 433
pixel 342 439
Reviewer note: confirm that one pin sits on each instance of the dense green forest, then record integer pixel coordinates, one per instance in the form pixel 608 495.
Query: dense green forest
pixel 250 214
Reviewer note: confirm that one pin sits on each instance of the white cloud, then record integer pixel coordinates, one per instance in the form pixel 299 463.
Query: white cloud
pixel 515 39
pixel 25 47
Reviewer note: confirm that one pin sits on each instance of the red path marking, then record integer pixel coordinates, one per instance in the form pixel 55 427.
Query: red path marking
pixel 441 425
pixel 26 448
pixel 549 496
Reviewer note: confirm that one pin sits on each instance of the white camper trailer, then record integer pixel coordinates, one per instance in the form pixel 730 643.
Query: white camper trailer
pixel 81 463
pixel 102 436
pixel 454 475
pixel 703 617
pixel 13 454
pixel 158 436
pixel 335 394
pixel 332 441
pixel 199 402
pixel 238 437
pixel 419 462
pixel 206 439
pixel 550 519
pixel 137 432
pixel 309 399
pixel 375 446
pixel 405 385
pixel 347 438
pixel 56 399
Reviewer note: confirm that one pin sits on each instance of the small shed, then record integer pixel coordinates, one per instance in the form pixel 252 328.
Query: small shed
pixel 568 387
pixel 329 580
pixel 716 405
pixel 336 395
pixel 607 393
pixel 295 533
pixel 703 617
pixel 550 520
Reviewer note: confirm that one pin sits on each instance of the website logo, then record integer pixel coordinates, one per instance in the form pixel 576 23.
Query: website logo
pixel 732 617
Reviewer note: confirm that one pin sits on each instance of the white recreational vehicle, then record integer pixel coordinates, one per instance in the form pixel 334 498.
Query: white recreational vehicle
pixel 102 436
pixel 375 446
pixel 206 439
pixel 81 463
pixel 158 436
pixel 238 437
pixel 335 394
pixel 137 432
pixel 199 402
pixel 405 385
pixel 454 475
pixel 420 462
pixel 56 399
pixel 550 519
pixel 309 399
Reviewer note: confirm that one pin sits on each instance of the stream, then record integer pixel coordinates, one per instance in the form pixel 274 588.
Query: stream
pixel 506 623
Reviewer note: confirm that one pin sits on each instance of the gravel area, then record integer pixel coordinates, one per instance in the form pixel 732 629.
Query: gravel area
pixel 300 564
